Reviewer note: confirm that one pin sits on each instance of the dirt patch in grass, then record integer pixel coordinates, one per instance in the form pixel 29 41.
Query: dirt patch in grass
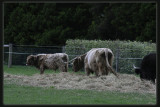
pixel 68 80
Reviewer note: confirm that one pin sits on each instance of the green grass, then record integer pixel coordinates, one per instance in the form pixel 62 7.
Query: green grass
pixel 29 70
pixel 20 70
pixel 16 94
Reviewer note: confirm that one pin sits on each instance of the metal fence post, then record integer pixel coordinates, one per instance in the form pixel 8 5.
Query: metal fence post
pixel 117 60
pixel 10 56
pixel 63 49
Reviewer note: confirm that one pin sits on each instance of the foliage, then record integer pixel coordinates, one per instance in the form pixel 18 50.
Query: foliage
pixel 54 23
pixel 121 50
pixel 78 46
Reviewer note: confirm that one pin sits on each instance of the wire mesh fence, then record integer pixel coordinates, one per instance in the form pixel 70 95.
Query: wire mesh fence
pixel 123 58
pixel 20 52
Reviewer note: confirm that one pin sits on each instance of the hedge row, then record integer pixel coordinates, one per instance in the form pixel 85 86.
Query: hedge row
pixel 121 50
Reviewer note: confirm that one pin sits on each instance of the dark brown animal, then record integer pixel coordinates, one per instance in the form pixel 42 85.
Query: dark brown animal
pixel 99 61
pixel 49 61
pixel 78 63
pixel 147 69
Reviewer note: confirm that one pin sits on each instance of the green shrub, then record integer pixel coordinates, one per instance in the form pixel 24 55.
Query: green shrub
pixel 121 50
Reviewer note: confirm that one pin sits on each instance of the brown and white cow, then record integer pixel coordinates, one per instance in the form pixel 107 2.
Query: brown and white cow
pixel 49 61
pixel 99 61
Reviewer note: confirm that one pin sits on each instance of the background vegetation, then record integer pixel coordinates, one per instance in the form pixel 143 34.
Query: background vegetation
pixel 78 47
pixel 54 23
pixel 121 50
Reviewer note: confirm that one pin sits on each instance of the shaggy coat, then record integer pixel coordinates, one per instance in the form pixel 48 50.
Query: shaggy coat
pixel 99 61
pixel 49 61
pixel 147 68
pixel 78 63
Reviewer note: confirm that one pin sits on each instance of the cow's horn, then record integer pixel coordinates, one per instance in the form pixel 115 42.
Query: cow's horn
pixel 135 67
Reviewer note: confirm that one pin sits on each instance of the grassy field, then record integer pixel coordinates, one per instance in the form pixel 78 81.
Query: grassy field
pixel 16 94
pixel 29 70
pixel 24 70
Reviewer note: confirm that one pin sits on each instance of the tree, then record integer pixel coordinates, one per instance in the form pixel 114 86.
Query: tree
pixel 54 23
pixel 124 21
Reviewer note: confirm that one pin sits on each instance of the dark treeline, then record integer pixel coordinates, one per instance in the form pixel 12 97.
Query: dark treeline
pixel 53 23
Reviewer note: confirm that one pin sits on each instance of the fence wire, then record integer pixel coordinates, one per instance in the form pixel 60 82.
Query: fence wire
pixel 123 58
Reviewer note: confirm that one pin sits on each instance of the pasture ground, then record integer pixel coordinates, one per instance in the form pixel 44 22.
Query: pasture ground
pixel 27 86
